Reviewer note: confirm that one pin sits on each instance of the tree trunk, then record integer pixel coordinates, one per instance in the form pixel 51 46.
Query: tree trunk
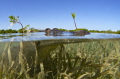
pixel 22 26
pixel 75 24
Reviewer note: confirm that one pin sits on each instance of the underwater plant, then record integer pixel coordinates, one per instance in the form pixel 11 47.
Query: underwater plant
pixel 86 60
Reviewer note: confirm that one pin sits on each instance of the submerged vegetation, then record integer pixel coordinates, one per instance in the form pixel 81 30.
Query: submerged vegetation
pixel 98 59
pixel 85 60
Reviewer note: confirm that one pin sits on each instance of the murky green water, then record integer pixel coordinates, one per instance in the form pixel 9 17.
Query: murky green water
pixel 61 58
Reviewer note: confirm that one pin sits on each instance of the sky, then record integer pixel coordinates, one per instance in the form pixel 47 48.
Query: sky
pixel 41 14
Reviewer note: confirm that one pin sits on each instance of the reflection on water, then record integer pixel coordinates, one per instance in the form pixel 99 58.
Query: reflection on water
pixel 93 58
pixel 42 36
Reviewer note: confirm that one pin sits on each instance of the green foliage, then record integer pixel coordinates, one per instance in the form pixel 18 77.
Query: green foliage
pixel 118 32
pixel 34 30
pixel 78 29
pixel 2 31
pixel 73 15
pixel 108 31
pixel 21 30
pixel 26 27
pixel 81 29
pixel 14 19
pixel 37 30
pixel 62 29
pixel 8 31
pixel 96 31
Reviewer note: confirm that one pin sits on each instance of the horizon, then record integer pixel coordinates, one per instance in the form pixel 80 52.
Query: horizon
pixel 41 14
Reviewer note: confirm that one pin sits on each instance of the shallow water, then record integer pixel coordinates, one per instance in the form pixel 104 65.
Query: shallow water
pixel 100 51
pixel 41 36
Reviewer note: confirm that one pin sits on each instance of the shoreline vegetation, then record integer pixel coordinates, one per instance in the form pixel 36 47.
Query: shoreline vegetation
pixel 25 29
pixel 2 31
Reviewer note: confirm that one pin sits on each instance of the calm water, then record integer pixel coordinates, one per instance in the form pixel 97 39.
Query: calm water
pixel 98 48
pixel 41 36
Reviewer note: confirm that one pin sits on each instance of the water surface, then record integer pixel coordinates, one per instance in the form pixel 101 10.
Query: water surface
pixel 41 36
pixel 96 52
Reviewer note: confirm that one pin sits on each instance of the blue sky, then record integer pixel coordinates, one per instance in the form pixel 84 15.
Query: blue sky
pixel 41 14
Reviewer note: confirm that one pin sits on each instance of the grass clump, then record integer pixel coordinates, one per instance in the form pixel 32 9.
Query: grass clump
pixel 86 60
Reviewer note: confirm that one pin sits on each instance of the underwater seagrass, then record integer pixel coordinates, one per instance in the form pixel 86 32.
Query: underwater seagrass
pixel 98 59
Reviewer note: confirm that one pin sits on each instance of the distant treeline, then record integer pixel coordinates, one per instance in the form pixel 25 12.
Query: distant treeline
pixel 17 31
pixel 95 31
pixel 36 30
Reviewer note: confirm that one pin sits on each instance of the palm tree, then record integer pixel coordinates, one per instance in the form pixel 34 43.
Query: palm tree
pixel 74 15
